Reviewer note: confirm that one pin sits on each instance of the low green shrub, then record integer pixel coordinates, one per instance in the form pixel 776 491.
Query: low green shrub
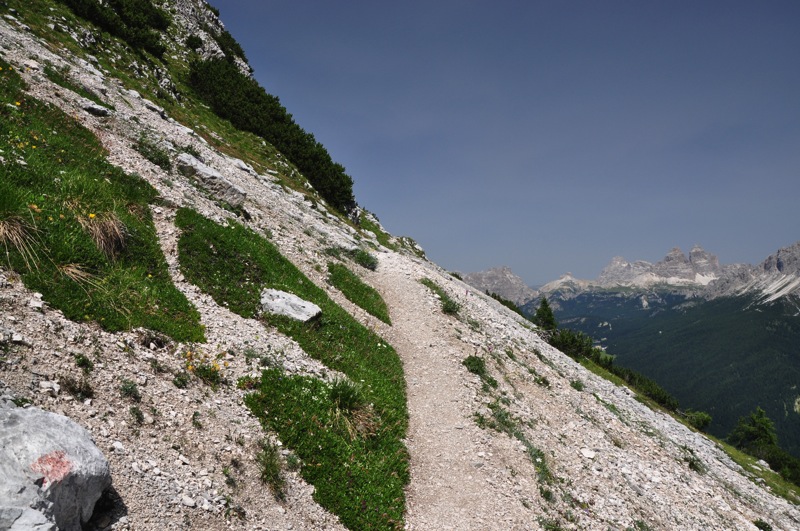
pixel 365 259
pixel 477 365
pixel 137 414
pixel 153 152
pixel 129 389
pixel 83 361
pixel 193 42
pixel 762 525
pixel 698 419
pixel 449 306
pixel 80 389
pixel 137 22
pixel 239 98
pixel 181 380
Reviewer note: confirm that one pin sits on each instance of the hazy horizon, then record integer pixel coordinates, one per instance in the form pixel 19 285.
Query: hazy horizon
pixel 548 136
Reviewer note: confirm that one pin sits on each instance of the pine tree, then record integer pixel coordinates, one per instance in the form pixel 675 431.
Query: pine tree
pixel 544 318
pixel 754 433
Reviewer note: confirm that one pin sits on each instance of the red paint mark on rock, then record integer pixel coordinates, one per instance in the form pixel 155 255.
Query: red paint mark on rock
pixel 54 466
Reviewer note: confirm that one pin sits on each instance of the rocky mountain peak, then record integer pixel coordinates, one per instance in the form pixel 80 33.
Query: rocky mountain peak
pixel 703 262
pixel 502 281
pixel 785 261
pixel 674 265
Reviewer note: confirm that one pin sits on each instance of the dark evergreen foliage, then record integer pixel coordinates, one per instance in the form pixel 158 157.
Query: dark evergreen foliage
pixel 228 45
pixel 755 434
pixel 725 356
pixel 240 99
pixel 505 302
pixel 137 22
pixel 544 318
pixel 754 431
pixel 193 42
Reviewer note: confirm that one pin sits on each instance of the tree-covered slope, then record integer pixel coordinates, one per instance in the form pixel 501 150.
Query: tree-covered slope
pixel 726 356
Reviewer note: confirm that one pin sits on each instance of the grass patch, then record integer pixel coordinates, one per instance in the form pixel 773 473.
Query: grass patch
pixel 360 256
pixel 477 365
pixel 384 238
pixel 77 229
pixel 357 292
pixel 152 151
pixel 769 478
pixel 358 473
pixel 270 470
pixel 449 306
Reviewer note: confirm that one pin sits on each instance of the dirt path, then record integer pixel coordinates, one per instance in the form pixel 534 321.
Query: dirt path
pixel 456 468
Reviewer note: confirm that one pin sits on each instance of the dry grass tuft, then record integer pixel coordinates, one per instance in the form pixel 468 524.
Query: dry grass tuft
pixel 108 232
pixel 360 422
pixel 77 273
pixel 16 233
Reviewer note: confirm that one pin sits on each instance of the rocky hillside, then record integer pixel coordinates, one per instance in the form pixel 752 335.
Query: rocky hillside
pixel 215 414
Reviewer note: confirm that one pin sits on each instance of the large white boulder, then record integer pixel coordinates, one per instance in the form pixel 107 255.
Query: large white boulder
pixel 282 303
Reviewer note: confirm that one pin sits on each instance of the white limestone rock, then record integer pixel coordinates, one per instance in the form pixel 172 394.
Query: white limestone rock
pixel 282 303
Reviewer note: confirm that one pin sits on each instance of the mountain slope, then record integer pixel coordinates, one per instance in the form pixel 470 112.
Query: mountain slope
pixel 516 445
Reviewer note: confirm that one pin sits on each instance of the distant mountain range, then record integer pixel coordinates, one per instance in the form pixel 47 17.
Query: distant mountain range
pixel 720 338
pixel 698 274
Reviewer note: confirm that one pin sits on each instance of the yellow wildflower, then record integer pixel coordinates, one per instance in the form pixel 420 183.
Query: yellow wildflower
pixel 91 216
pixel 17 103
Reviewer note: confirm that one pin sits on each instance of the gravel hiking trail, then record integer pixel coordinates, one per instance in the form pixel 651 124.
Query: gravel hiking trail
pixel 456 468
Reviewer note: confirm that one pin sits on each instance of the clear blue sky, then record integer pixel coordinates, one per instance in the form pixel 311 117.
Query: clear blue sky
pixel 548 136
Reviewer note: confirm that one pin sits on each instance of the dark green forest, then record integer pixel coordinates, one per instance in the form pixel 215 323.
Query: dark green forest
pixel 137 22
pixel 727 356
pixel 240 99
